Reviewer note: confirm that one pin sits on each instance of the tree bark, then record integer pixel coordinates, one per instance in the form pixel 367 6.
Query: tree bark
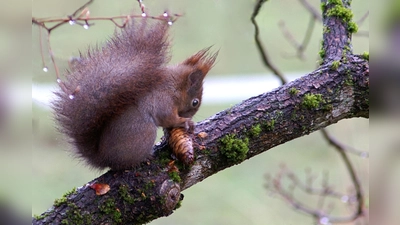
pixel 333 92
pixel 152 190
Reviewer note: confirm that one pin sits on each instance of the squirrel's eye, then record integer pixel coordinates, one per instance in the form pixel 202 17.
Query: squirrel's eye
pixel 195 102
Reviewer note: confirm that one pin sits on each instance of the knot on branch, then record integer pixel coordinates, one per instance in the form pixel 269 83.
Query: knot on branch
pixel 171 193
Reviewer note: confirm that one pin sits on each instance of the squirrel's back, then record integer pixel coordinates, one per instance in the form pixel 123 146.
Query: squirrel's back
pixel 105 82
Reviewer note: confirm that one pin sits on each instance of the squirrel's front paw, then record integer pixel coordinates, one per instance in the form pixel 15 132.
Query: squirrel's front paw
pixel 189 126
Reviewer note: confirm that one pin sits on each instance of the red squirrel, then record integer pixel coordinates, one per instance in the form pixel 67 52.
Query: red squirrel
pixel 116 96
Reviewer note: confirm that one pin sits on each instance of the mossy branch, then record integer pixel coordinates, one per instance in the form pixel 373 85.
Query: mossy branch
pixel 258 124
pixel 333 92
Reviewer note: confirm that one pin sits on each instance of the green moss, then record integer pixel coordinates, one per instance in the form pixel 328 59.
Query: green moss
pixel 335 2
pixel 326 30
pixel 125 195
pixel 349 78
pixel 341 12
pixel 270 125
pixel 149 185
pixel 206 151
pixel 349 82
pixel 312 101
pixel 174 175
pixel 346 50
pixel 64 198
pixel 322 53
pixel 75 217
pixel 328 107
pixel 294 115
pixel 255 130
pixel 323 6
pixel 68 193
pixel 352 27
pixel 335 65
pixel 58 202
pixel 234 149
pixel 164 157
pixel 365 56
pixel 109 208
pixel 293 91
pixel 39 217
pixel 178 205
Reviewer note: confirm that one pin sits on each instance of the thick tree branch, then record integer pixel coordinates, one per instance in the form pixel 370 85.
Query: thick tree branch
pixel 152 190
pixel 338 89
pixel 338 28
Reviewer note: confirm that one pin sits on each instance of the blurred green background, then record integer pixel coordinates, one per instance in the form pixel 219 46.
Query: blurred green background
pixel 236 195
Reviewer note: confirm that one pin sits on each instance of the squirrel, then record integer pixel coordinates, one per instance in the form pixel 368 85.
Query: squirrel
pixel 114 97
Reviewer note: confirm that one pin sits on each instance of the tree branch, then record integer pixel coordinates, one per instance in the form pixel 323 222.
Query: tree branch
pixel 332 92
pixel 152 190
pixel 342 151
pixel 264 56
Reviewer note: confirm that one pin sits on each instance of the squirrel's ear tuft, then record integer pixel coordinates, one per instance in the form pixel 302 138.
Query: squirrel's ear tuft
pixel 196 80
pixel 202 60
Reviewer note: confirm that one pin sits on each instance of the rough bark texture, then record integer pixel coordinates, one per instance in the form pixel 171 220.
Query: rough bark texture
pixel 307 104
pixel 338 89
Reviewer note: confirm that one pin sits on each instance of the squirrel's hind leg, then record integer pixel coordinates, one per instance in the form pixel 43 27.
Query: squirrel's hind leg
pixel 127 141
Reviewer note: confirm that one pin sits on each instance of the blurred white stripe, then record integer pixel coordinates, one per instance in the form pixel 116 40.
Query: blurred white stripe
pixel 216 89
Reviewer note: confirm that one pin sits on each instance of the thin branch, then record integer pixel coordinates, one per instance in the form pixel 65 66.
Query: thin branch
pixel 41 50
pixel 142 7
pixel 346 148
pixel 318 213
pixel 259 44
pixel 81 17
pixel 351 170
pixel 41 21
pixel 52 58
pixel 363 18
pixel 81 8
pixel 300 48
pixel 362 33
pixel 314 12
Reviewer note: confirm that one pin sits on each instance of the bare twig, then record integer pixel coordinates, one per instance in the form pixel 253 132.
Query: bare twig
pixel 362 33
pixel 300 48
pixel 351 170
pixel 142 7
pixel 82 7
pixel 363 18
pixel 321 215
pixel 259 44
pixel 346 148
pixel 81 17
pixel 42 21
pixel 314 12
pixel 52 58
pixel 44 67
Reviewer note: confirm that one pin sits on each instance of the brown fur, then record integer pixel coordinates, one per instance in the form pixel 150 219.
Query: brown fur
pixel 123 91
